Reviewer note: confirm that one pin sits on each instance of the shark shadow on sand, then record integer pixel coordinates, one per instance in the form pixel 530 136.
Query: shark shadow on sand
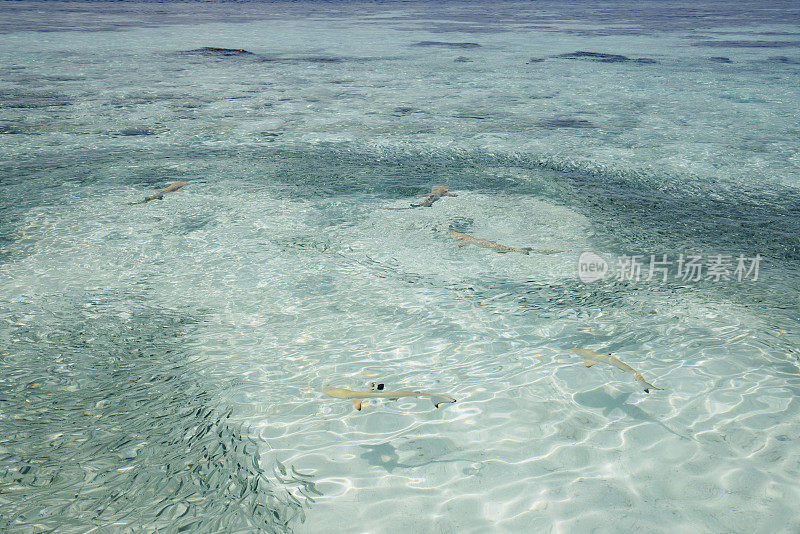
pixel 598 398
pixel 415 453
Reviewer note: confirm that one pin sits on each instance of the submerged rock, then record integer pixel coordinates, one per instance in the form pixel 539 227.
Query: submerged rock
pixel 141 130
pixel 8 129
pixel 300 59
pixel 595 56
pixel 322 59
pixel 603 57
pixel 447 45
pixel 784 59
pixel 21 100
pixel 747 44
pixel 214 51
pixel 476 116
pixel 210 51
pixel 565 123
pixel 405 110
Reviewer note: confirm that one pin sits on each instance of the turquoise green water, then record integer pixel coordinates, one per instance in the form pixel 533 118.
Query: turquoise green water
pixel 163 363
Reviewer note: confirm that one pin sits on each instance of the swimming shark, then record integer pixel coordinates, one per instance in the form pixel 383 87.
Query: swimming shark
pixel 591 357
pixel 174 186
pixel 466 239
pixel 357 397
pixel 437 192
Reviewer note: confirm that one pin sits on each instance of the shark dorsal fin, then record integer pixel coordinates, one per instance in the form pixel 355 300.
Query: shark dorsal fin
pixel 356 403
pixel 588 363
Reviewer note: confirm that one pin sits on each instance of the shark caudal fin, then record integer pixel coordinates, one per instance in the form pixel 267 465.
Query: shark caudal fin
pixel 588 363
pixel 357 403
pixel 647 385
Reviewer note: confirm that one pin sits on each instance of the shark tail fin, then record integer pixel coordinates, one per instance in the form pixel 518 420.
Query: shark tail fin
pixel 588 363
pixel 357 403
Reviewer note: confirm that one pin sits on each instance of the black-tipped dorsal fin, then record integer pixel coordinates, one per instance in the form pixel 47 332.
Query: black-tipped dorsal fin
pixel 357 403
pixel 588 363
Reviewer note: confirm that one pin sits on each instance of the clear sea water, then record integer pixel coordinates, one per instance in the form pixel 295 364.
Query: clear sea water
pixel 163 363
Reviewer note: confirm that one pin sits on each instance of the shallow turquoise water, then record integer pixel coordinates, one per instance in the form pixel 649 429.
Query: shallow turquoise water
pixel 163 363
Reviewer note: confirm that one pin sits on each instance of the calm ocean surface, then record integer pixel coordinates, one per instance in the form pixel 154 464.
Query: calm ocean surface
pixel 163 363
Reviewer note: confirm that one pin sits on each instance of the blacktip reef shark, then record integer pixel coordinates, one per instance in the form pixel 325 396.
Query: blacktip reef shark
pixel 357 397
pixel 159 195
pixel 437 192
pixel 466 239
pixel 591 357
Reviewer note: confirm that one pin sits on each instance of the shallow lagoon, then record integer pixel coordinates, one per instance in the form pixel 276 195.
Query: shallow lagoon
pixel 163 363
